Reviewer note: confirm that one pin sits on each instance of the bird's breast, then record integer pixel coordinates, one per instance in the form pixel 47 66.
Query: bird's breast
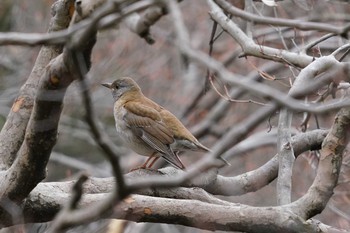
pixel 119 114
pixel 129 139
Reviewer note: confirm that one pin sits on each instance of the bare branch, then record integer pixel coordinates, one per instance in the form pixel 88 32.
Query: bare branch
pixel 104 18
pixel 254 180
pixel 185 195
pixel 284 147
pixel 315 200
pixel 302 25
pixel 193 213
pixel 319 40
pixel 141 24
pixel 220 109
pixel 268 92
pixel 249 47
pixel 12 133
pixel 29 168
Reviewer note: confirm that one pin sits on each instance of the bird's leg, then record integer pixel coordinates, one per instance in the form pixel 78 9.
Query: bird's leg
pixel 145 165
pixel 154 160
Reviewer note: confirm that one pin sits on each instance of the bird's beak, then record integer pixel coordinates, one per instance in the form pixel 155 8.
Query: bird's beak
pixel 108 85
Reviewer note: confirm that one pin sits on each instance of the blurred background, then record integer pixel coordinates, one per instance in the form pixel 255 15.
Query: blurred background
pixel 165 77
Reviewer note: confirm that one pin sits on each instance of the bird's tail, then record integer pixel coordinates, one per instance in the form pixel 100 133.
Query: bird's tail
pixel 206 149
pixel 174 160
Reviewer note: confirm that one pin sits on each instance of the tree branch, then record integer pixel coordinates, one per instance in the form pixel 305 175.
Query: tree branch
pixel 141 24
pixel 12 133
pixel 298 24
pixel 315 200
pixel 249 47
pixel 256 179
pixel 193 213
pixel 264 90
pixel 29 168
pixel 306 78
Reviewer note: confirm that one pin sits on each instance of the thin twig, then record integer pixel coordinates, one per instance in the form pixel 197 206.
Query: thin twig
pixel 344 55
pixel 338 50
pixel 227 94
pixel 211 45
pixel 301 25
pixel 316 42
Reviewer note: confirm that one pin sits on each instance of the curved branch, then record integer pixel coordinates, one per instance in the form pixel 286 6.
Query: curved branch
pixel 262 176
pixel 315 200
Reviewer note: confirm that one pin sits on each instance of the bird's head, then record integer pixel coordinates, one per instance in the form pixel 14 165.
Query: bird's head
pixel 124 86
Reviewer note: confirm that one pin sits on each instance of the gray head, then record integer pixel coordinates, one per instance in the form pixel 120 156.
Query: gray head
pixel 121 86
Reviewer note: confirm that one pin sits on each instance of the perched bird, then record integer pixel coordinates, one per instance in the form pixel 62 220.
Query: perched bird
pixel 147 128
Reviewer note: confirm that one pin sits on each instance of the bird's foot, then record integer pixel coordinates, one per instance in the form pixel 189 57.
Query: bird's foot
pixel 142 167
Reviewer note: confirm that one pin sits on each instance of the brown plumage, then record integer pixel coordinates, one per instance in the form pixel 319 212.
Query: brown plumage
pixel 148 128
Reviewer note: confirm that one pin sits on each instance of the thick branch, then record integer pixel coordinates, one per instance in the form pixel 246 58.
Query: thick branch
pixel 47 198
pixel 256 179
pixel 193 213
pixel 29 168
pixel 315 200
pixel 219 185
pixel 285 157
pixel 12 134
pixel 306 78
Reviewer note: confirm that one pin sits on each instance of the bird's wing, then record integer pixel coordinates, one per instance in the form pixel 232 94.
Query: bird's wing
pixel 149 120
pixel 146 123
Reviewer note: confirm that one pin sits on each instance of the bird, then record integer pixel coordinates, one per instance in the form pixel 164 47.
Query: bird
pixel 148 128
